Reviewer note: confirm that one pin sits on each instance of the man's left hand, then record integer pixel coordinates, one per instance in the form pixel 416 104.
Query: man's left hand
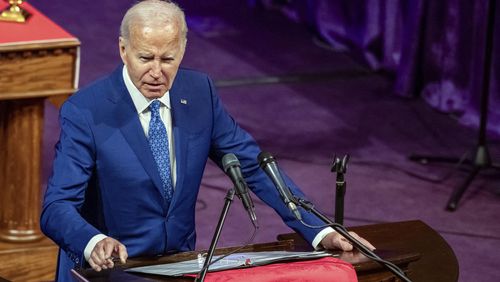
pixel 334 241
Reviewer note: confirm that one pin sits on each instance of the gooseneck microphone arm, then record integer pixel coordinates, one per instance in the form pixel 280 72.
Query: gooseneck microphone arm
pixel 308 206
pixel 268 164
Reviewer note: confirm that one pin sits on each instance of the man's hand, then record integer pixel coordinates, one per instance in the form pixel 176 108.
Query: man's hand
pixel 336 241
pixel 104 251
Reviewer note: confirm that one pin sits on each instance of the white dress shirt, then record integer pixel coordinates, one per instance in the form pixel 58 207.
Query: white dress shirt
pixel 141 104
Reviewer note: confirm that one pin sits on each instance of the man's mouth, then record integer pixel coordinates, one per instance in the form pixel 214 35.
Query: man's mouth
pixel 153 86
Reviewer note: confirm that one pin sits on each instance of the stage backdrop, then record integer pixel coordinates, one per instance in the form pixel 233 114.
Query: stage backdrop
pixel 435 49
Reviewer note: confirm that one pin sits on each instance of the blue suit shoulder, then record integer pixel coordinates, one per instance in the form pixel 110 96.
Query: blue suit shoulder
pixel 92 93
pixel 192 78
pixel 195 74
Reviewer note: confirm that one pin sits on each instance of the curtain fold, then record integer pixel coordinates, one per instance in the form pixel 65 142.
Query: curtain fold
pixel 435 49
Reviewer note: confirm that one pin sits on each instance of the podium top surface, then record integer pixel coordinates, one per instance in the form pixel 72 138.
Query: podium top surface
pixel 411 244
pixel 37 30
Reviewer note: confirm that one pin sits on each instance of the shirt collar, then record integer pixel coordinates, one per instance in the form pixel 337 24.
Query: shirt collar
pixel 141 103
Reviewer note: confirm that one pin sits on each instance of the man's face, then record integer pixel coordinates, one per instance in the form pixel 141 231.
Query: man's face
pixel 152 56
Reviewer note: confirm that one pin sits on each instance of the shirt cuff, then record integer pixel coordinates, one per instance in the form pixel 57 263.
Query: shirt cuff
pixel 91 244
pixel 320 236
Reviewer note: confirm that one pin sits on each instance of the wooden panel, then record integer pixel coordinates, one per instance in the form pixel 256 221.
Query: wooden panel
pixel 20 185
pixel 38 60
pixel 24 73
pixel 29 261
pixel 3 147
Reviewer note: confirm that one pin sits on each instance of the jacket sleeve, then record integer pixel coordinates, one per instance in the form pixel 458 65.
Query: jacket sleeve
pixel 61 218
pixel 229 137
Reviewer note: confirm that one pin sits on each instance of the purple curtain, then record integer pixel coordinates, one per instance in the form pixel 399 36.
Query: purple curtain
pixel 435 49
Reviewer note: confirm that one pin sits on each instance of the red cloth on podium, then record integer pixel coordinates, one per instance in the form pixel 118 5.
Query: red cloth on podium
pixel 38 28
pixel 324 269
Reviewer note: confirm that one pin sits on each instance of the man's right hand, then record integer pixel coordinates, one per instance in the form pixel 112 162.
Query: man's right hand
pixel 104 251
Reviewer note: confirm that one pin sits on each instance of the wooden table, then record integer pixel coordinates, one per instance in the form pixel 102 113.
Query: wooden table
pixel 412 245
pixel 39 61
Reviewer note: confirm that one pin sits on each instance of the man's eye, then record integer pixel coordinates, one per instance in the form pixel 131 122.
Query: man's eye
pixel 167 59
pixel 145 59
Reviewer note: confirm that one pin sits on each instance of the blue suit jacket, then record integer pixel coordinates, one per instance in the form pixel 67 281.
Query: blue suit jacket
pixel 105 179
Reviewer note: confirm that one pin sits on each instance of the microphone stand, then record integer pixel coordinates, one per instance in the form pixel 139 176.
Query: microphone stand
pixel 340 168
pixel 215 238
pixel 308 206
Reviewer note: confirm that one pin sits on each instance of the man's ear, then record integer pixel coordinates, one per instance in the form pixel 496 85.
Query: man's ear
pixel 121 46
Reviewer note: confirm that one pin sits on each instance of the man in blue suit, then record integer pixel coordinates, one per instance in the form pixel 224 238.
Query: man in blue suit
pixel 133 148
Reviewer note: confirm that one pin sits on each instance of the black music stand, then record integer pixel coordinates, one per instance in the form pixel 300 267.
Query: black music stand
pixel 482 159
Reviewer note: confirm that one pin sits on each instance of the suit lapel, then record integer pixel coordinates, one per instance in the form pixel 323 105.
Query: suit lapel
pixel 180 158
pixel 181 137
pixel 131 128
pixel 134 134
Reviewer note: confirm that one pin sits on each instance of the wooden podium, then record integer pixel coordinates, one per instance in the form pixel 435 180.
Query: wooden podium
pixel 412 245
pixel 38 61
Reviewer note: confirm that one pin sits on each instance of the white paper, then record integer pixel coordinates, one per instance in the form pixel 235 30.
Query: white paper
pixel 237 260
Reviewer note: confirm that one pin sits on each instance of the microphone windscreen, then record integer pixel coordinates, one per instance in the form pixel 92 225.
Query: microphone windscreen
pixel 265 158
pixel 229 160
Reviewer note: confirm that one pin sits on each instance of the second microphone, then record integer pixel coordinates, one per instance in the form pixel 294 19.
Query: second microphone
pixel 232 168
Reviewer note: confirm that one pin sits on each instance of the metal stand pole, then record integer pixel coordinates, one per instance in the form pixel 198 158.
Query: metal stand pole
pixel 340 167
pixel 215 238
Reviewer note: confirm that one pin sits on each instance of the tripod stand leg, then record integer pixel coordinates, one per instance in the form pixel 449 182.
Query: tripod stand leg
pixel 459 191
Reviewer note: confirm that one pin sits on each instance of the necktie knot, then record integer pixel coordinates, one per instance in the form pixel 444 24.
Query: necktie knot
pixel 154 107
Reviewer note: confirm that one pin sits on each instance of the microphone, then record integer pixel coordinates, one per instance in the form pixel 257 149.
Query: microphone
pixel 269 165
pixel 231 166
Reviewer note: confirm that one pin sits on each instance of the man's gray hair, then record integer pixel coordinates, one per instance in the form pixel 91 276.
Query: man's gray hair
pixel 154 12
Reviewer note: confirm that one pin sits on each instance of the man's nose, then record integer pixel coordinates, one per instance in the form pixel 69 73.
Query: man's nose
pixel 155 70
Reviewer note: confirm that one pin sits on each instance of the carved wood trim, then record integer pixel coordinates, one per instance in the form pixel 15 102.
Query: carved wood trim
pixel 25 53
pixel 39 45
pixel 35 94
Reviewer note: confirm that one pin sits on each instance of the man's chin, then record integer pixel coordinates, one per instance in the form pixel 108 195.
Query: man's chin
pixel 153 94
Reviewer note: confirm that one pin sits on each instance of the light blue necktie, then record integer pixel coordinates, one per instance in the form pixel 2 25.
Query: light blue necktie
pixel 158 142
